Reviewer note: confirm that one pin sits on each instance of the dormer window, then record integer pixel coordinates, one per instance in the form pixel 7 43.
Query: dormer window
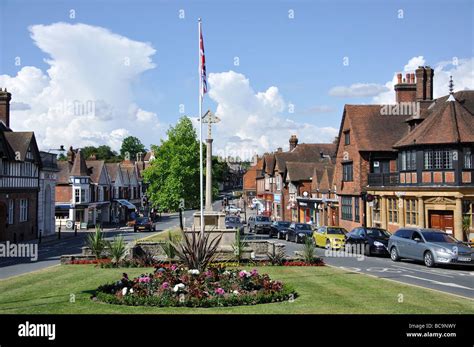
pixel 437 159
pixel 408 160
pixel 467 158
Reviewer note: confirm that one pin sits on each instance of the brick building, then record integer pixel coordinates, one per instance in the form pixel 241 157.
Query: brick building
pixel 409 163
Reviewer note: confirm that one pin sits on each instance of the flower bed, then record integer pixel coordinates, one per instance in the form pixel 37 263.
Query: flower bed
pixel 90 261
pixel 177 286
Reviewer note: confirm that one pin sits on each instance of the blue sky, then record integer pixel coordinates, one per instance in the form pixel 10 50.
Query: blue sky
pixel 302 57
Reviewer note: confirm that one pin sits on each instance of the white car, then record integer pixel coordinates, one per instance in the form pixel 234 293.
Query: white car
pixel 232 209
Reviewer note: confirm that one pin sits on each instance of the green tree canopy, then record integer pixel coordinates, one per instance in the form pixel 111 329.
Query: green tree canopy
pixel 174 173
pixel 103 152
pixel 131 145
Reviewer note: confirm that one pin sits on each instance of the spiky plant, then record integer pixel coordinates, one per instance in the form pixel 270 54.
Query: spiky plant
pixel 466 226
pixel 195 250
pixel 238 246
pixel 308 250
pixel 96 242
pixel 276 256
pixel 117 249
pixel 168 247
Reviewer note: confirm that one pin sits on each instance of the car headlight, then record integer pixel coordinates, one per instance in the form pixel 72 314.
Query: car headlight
pixel 378 244
pixel 444 251
pixel 301 234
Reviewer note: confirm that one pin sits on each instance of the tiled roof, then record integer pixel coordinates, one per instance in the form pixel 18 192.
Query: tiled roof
pixel 19 141
pixel 113 170
pixel 371 130
pixel 250 177
pixel 95 169
pixel 450 122
pixel 303 171
pixel 64 172
pixel 79 167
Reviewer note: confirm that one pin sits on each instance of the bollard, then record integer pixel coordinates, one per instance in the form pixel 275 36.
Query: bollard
pixel 59 233
pixel 40 235
pixel 75 229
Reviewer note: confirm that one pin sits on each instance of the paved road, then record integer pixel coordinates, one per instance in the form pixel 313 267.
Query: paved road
pixel 49 252
pixel 454 280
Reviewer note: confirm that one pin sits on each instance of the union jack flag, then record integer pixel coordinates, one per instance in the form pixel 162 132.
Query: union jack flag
pixel 203 66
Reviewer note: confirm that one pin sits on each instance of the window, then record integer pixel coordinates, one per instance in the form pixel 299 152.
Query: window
pixel 438 159
pixel 392 210
pixel 23 210
pixel 347 172
pixel 77 195
pixel 278 182
pixel 467 158
pixel 468 211
pixel 408 160
pixel 356 209
pixel 346 207
pixel 11 211
pixel 83 195
pixel 347 137
pixel 411 211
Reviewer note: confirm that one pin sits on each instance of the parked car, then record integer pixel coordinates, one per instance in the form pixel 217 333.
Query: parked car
pixel 234 222
pixel 330 237
pixel 431 246
pixel 278 227
pixel 143 223
pixel 259 224
pixel 369 240
pixel 232 209
pixel 298 232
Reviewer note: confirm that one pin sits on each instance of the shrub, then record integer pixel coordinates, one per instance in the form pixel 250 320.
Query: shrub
pixel 308 250
pixel 96 242
pixel 117 250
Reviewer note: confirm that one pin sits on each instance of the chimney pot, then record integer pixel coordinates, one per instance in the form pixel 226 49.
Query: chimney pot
pixel 399 78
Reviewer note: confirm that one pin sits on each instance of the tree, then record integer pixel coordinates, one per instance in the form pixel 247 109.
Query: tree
pixel 103 152
pixel 174 174
pixel 131 146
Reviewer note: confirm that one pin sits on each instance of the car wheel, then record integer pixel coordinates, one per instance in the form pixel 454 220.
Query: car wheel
pixel 394 254
pixel 328 244
pixel 287 237
pixel 429 260
pixel 279 236
pixel 296 239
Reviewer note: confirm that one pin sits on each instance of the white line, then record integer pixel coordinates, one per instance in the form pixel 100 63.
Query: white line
pixel 440 283
pixel 424 271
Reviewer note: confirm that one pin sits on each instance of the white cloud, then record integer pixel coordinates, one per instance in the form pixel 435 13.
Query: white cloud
pixel 357 90
pixel 85 97
pixel 252 122
pixel 462 71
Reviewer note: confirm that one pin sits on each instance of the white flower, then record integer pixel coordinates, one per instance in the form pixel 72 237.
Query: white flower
pixel 124 291
pixel 193 272
pixel 235 292
pixel 178 287
pixel 226 272
pixel 131 291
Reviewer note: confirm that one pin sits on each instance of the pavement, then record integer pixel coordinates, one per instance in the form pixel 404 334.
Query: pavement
pixel 49 251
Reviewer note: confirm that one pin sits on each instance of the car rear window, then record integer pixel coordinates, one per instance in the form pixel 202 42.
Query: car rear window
pixel 284 224
pixel 303 226
pixel 262 219
pixel 433 236
pixel 404 233
pixel 335 231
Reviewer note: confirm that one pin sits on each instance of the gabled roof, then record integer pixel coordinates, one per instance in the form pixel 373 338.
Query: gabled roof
pixel 79 167
pixel 64 168
pixel 371 130
pixel 95 168
pixel 269 163
pixel 20 142
pixel 302 171
pixel 250 177
pixel 450 122
pixel 113 169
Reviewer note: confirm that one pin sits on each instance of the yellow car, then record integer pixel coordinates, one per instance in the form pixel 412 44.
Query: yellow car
pixel 330 237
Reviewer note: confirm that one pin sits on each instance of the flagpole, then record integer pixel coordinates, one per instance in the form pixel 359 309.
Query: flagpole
pixel 201 185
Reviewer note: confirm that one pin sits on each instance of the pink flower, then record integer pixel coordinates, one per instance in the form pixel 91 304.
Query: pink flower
pixel 144 280
pixel 165 285
pixel 254 272
pixel 220 291
pixel 243 274
pixel 174 267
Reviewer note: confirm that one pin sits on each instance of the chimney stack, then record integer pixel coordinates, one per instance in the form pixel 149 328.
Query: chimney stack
pixel 293 142
pixel 5 98
pixel 405 89
pixel 424 83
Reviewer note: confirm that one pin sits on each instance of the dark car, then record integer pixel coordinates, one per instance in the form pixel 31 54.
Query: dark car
pixel 278 229
pixel 259 224
pixel 298 232
pixel 234 222
pixel 143 223
pixel 370 241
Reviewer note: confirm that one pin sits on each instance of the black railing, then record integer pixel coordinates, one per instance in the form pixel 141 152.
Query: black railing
pixel 383 179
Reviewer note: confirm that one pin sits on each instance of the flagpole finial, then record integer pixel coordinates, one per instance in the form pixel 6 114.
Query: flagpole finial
pixel 199 19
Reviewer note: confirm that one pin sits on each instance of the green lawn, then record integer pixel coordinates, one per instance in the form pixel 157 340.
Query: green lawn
pixel 321 290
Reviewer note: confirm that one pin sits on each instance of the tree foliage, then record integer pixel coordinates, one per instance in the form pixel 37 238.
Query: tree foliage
pixel 131 145
pixel 174 173
pixel 103 152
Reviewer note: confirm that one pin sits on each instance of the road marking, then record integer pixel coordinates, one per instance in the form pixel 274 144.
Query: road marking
pixel 449 284
pixel 424 271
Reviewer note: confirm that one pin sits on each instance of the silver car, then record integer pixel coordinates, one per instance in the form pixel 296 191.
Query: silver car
pixel 431 246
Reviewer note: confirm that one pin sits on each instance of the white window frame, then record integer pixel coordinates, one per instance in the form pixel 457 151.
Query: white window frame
pixel 23 210
pixel 11 211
